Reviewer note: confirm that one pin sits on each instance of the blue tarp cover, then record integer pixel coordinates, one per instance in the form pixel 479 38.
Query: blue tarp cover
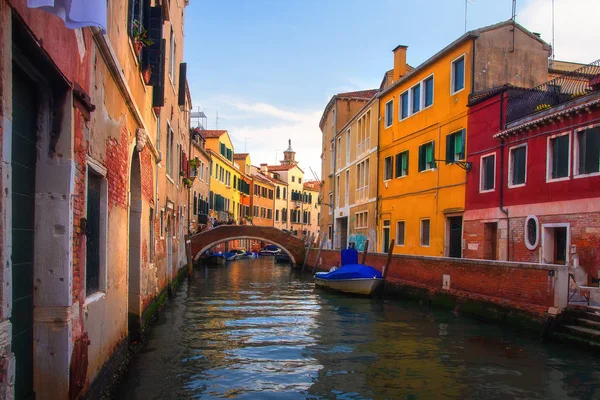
pixel 349 256
pixel 352 271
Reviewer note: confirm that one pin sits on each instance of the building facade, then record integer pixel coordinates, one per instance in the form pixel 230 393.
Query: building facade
pixel 311 210
pixel 423 133
pixel 340 109
pixel 355 179
pixel 200 188
pixel 263 200
pixel 532 195
pixel 90 175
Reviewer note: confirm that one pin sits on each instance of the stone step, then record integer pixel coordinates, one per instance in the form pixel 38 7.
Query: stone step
pixel 582 311
pixel 585 343
pixel 594 324
pixel 583 331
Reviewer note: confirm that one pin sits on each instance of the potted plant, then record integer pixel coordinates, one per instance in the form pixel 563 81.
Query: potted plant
pixel 194 164
pixel 147 73
pixel 187 182
pixel 140 37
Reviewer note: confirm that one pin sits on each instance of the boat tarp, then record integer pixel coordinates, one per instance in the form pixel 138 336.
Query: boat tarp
pixel 352 271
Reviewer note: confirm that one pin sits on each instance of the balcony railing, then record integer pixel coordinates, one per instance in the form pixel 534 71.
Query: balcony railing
pixel 572 85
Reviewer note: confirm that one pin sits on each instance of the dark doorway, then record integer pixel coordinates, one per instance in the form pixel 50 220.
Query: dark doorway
pixel 23 163
pixel 560 245
pixel 490 240
pixel 92 256
pixel 342 231
pixel 135 243
pixel 455 241
pixel 386 235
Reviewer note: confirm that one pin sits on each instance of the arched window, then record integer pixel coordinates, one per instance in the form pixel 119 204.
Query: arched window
pixel 277 192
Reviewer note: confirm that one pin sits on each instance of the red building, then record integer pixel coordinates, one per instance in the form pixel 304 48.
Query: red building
pixel 533 193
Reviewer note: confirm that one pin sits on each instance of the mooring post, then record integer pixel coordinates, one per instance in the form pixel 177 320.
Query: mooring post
pixel 365 251
pixel 319 253
pixel 389 259
pixel 188 253
pixel 310 242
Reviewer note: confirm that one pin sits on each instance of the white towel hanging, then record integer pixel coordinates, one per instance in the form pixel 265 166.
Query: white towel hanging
pixel 75 13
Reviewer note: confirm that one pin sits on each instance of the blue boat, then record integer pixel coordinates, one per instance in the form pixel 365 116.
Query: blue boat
pixel 351 278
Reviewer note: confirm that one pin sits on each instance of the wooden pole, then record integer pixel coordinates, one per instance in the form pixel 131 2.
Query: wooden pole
pixel 188 253
pixel 365 251
pixel 319 253
pixel 310 242
pixel 389 259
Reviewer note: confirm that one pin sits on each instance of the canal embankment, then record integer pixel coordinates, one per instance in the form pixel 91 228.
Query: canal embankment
pixel 524 294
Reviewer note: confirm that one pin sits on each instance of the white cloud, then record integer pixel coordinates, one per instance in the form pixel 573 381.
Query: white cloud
pixel 263 130
pixel 575 30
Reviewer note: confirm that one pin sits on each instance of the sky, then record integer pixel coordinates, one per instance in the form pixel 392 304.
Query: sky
pixel 267 68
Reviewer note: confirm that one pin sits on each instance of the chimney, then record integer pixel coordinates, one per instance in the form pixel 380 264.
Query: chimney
pixel 399 62
pixel 264 169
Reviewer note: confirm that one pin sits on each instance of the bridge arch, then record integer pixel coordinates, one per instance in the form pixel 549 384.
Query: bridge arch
pixel 291 245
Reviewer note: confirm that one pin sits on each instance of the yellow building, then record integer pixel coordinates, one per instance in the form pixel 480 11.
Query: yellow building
pixel 422 133
pixel 226 187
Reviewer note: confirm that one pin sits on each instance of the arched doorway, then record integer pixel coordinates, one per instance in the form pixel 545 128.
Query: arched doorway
pixel 135 243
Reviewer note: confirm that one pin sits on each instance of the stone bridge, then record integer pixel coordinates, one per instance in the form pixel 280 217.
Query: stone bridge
pixel 290 244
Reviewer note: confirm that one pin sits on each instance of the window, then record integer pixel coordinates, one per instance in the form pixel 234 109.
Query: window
pixel 330 202
pixel 337 191
pixel 172 56
pixel 278 192
pixel 455 147
pixel 402 164
pixel 388 164
pixel 347 188
pixel 458 74
pixel 276 215
pixel 348 147
pixel 531 232
pixel 488 173
pixel 299 180
pixel 428 89
pixel 362 174
pixel 517 166
pixel 293 179
pixel 588 151
pixel 400 233
pixel 255 211
pixel 96 215
pixel 426 160
pixel 271 194
pixel 263 192
pixel 389 112
pixel 158 131
pixel 169 159
pixel 283 215
pixel 269 214
pixel 361 220
pixel 559 156
pixel 425 231
pixel 263 212
pixel 257 190
pixel 404 105
pixel 285 193
pixel 416 98
pixel 338 154
pixel 162 223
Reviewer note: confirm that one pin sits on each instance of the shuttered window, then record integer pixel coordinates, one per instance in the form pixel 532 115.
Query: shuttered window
pixel 455 147
pixel 589 150
pixel 560 156
pixel 518 166
pixel 388 163
pixel 426 159
pixel 425 232
pixel 488 172
pixel 402 164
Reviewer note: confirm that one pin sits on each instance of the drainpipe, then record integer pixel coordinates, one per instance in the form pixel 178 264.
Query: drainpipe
pixel 501 205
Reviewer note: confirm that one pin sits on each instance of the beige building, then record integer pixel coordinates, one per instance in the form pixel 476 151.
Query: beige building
pixel 338 112
pixel 355 182
pixel 311 209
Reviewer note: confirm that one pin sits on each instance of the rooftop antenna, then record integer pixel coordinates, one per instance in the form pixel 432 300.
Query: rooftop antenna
pixel 314 175
pixel 466 4
pixel 514 10
pixel 199 116
pixel 553 31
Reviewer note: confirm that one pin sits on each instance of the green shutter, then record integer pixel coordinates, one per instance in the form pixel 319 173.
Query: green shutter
pixel 429 153
pixel 458 145
pixel 405 162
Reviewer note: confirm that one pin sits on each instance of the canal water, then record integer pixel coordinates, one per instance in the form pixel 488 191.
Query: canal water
pixel 255 330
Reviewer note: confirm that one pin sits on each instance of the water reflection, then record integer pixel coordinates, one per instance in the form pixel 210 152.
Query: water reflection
pixel 256 330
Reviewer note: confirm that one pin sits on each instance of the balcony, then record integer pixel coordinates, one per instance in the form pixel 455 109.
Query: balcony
pixel 575 84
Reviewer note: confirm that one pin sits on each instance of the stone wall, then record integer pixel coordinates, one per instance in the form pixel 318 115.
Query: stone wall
pixel 531 288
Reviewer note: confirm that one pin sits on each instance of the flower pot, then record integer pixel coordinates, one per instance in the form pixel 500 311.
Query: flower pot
pixel 137 46
pixel 147 73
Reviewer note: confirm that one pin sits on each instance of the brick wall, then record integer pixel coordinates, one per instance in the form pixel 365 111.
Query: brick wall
pixel 117 161
pixel 584 231
pixel 527 287
pixel 147 173
pixel 79 211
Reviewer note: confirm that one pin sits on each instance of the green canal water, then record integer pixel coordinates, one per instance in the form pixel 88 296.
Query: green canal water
pixel 255 330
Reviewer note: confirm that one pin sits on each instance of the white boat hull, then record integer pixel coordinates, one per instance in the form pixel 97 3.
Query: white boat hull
pixel 356 286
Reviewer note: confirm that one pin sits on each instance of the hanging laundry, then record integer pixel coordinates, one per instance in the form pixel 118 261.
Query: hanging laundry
pixel 75 13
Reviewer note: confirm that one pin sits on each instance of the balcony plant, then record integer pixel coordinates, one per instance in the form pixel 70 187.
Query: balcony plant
pixel 140 37
pixel 194 164
pixel 187 182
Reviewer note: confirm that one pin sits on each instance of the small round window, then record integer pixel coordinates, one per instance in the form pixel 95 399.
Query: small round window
pixel 531 232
